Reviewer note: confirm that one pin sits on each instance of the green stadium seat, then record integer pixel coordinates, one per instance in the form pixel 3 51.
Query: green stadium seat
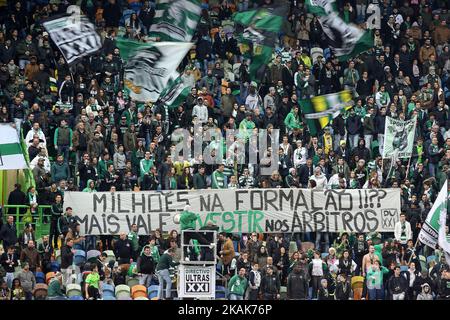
pixel 122 291
pixel 73 289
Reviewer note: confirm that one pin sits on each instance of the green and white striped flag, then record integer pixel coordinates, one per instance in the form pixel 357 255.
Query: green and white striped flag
pixel 11 153
pixel 150 66
pixel 345 39
pixel 174 94
pixel 260 35
pixel 429 233
pixel 175 20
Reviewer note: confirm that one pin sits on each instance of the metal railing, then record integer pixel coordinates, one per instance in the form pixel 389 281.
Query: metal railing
pixel 37 219
pixel 210 235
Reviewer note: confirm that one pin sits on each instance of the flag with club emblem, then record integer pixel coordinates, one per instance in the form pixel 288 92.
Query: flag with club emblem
pixel 345 39
pixel 175 20
pixel 149 66
pixel 320 110
pixel 175 93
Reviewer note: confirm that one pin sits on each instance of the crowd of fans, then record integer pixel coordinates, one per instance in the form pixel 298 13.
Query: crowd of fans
pixel 84 133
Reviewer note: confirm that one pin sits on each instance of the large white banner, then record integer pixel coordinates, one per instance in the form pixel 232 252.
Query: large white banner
pixel 247 210
pixel 399 138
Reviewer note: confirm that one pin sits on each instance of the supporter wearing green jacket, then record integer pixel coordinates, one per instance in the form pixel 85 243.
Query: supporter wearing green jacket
pixel 237 285
pixel 90 186
pixel 292 120
pixel 145 164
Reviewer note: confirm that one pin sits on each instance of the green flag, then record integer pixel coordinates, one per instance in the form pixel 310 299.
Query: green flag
pixel 175 20
pixel 320 110
pixel 149 66
pixel 174 94
pixel 345 39
pixel 259 37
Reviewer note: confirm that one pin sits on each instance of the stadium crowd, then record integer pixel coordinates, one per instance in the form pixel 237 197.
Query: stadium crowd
pixel 84 133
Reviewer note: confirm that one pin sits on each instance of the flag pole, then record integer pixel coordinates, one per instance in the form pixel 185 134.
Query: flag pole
pixel 407 169
pixel 414 251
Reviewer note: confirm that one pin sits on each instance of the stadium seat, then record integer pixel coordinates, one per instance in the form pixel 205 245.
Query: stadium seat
pixel 73 289
pixel 79 257
pixel 108 290
pixel 221 293
pixel 49 276
pixel 138 291
pixel 403 268
pixel 132 281
pixel 124 298
pixel 122 291
pixel 110 255
pixel 40 277
pixel 152 292
pixel 40 291
pixel 141 298
pixel 79 298
pixel 92 255
pixel 78 246
pixel 55 266
pixel 109 298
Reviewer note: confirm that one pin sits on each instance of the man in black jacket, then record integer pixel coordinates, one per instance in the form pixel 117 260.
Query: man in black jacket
pixel 16 197
pixel 65 221
pixel 270 285
pixel 57 211
pixel 305 171
pixel 67 253
pixel 297 285
pixel 9 261
pixel 145 267
pixel 397 285
pixel 123 250
pixel 343 288
pixel 8 233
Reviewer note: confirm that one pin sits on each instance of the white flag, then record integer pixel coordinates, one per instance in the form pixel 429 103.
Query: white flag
pixel 74 35
pixel 399 137
pixel 11 153
pixel 431 227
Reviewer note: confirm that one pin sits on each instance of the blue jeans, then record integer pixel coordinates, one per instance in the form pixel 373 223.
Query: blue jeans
pixel 376 294
pixel 432 167
pixel 164 275
pixel 236 297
